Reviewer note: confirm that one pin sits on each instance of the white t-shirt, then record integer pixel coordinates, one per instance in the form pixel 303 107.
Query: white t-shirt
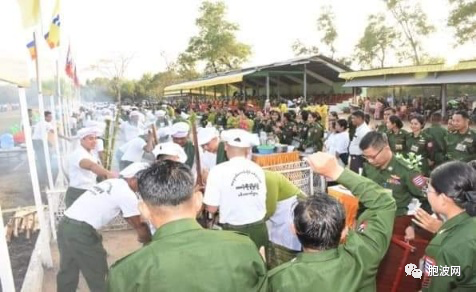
pixel 354 148
pixel 209 160
pixel 79 177
pixel 104 201
pixel 238 188
pixel 133 150
pixel 129 132
pixel 41 129
pixel 338 143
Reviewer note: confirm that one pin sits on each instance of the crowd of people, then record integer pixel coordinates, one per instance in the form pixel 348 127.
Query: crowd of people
pixel 211 219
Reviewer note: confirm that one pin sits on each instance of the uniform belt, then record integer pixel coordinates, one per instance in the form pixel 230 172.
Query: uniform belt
pixel 244 225
pixel 76 222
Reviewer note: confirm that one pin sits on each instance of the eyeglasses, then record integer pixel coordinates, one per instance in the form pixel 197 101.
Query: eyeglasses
pixel 373 156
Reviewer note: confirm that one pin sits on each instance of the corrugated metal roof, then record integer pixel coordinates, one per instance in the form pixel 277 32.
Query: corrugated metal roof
pixel 465 65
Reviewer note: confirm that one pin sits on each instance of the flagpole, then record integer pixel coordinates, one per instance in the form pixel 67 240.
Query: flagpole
pixel 46 252
pixel 41 108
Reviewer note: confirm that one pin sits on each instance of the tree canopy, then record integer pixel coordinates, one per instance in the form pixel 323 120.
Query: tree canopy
pixel 216 44
pixel 463 18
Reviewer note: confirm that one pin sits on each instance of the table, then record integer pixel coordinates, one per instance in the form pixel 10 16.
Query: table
pixel 276 158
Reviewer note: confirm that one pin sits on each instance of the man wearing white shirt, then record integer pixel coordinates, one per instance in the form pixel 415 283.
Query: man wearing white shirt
pixel 131 129
pixel 79 243
pixel 135 149
pixel 238 188
pixel 356 158
pixel 41 130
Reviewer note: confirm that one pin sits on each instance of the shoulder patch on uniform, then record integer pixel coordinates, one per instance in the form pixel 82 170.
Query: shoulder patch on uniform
pixel 428 266
pixel 419 181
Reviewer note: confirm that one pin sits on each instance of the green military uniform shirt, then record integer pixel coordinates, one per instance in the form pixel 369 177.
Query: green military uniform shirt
pixel 314 137
pixel 404 181
pixel 421 145
pixel 232 122
pixel 190 151
pixel 212 118
pixel 453 246
pixel 221 153
pixel 397 141
pixel 353 265
pixel 461 147
pixel 185 257
pixel 382 128
pixel 278 188
pixel 287 134
pixel 438 135
pixel 258 126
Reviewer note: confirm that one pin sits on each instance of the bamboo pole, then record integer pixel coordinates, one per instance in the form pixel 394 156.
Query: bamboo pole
pixel 114 134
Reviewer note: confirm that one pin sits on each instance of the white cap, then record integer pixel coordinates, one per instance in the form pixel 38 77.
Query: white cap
pixel 89 131
pixel 184 116
pixel 172 149
pixel 205 135
pixel 134 114
pixel 164 132
pixel 239 138
pixel 133 169
pixel 160 113
pixel 180 130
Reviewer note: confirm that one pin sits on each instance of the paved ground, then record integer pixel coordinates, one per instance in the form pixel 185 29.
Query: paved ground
pixel 117 244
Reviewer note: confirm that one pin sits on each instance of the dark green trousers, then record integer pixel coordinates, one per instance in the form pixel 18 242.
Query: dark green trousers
pixel 256 231
pixel 81 250
pixel 72 194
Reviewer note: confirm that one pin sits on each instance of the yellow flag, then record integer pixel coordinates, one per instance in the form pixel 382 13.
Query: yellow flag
pixel 53 36
pixel 30 12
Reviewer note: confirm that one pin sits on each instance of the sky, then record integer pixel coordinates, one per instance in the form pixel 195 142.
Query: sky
pixel 154 32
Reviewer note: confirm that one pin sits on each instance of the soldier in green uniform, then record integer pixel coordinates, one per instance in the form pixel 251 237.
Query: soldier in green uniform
pixel 271 123
pixel 315 134
pixel 461 144
pixel 438 135
pixel 389 111
pixel 420 143
pixel 182 255
pixel 393 173
pixel 220 119
pixel 450 258
pixel 326 264
pixel 300 130
pixel 396 135
pixel 259 122
pixel 285 131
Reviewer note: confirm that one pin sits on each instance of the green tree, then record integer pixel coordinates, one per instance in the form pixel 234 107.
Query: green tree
pixel 300 49
pixel 326 25
pixel 216 44
pixel 413 23
pixel 373 46
pixel 463 19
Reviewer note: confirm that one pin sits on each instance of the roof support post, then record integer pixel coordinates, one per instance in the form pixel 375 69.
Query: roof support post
pixel 267 86
pixel 304 83
pixel 444 90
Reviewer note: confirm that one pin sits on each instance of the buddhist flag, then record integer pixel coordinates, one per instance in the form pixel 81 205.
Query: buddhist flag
pixel 53 36
pixel 30 12
pixel 32 48
pixel 69 63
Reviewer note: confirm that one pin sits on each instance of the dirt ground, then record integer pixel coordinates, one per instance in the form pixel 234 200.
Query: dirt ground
pixel 117 244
